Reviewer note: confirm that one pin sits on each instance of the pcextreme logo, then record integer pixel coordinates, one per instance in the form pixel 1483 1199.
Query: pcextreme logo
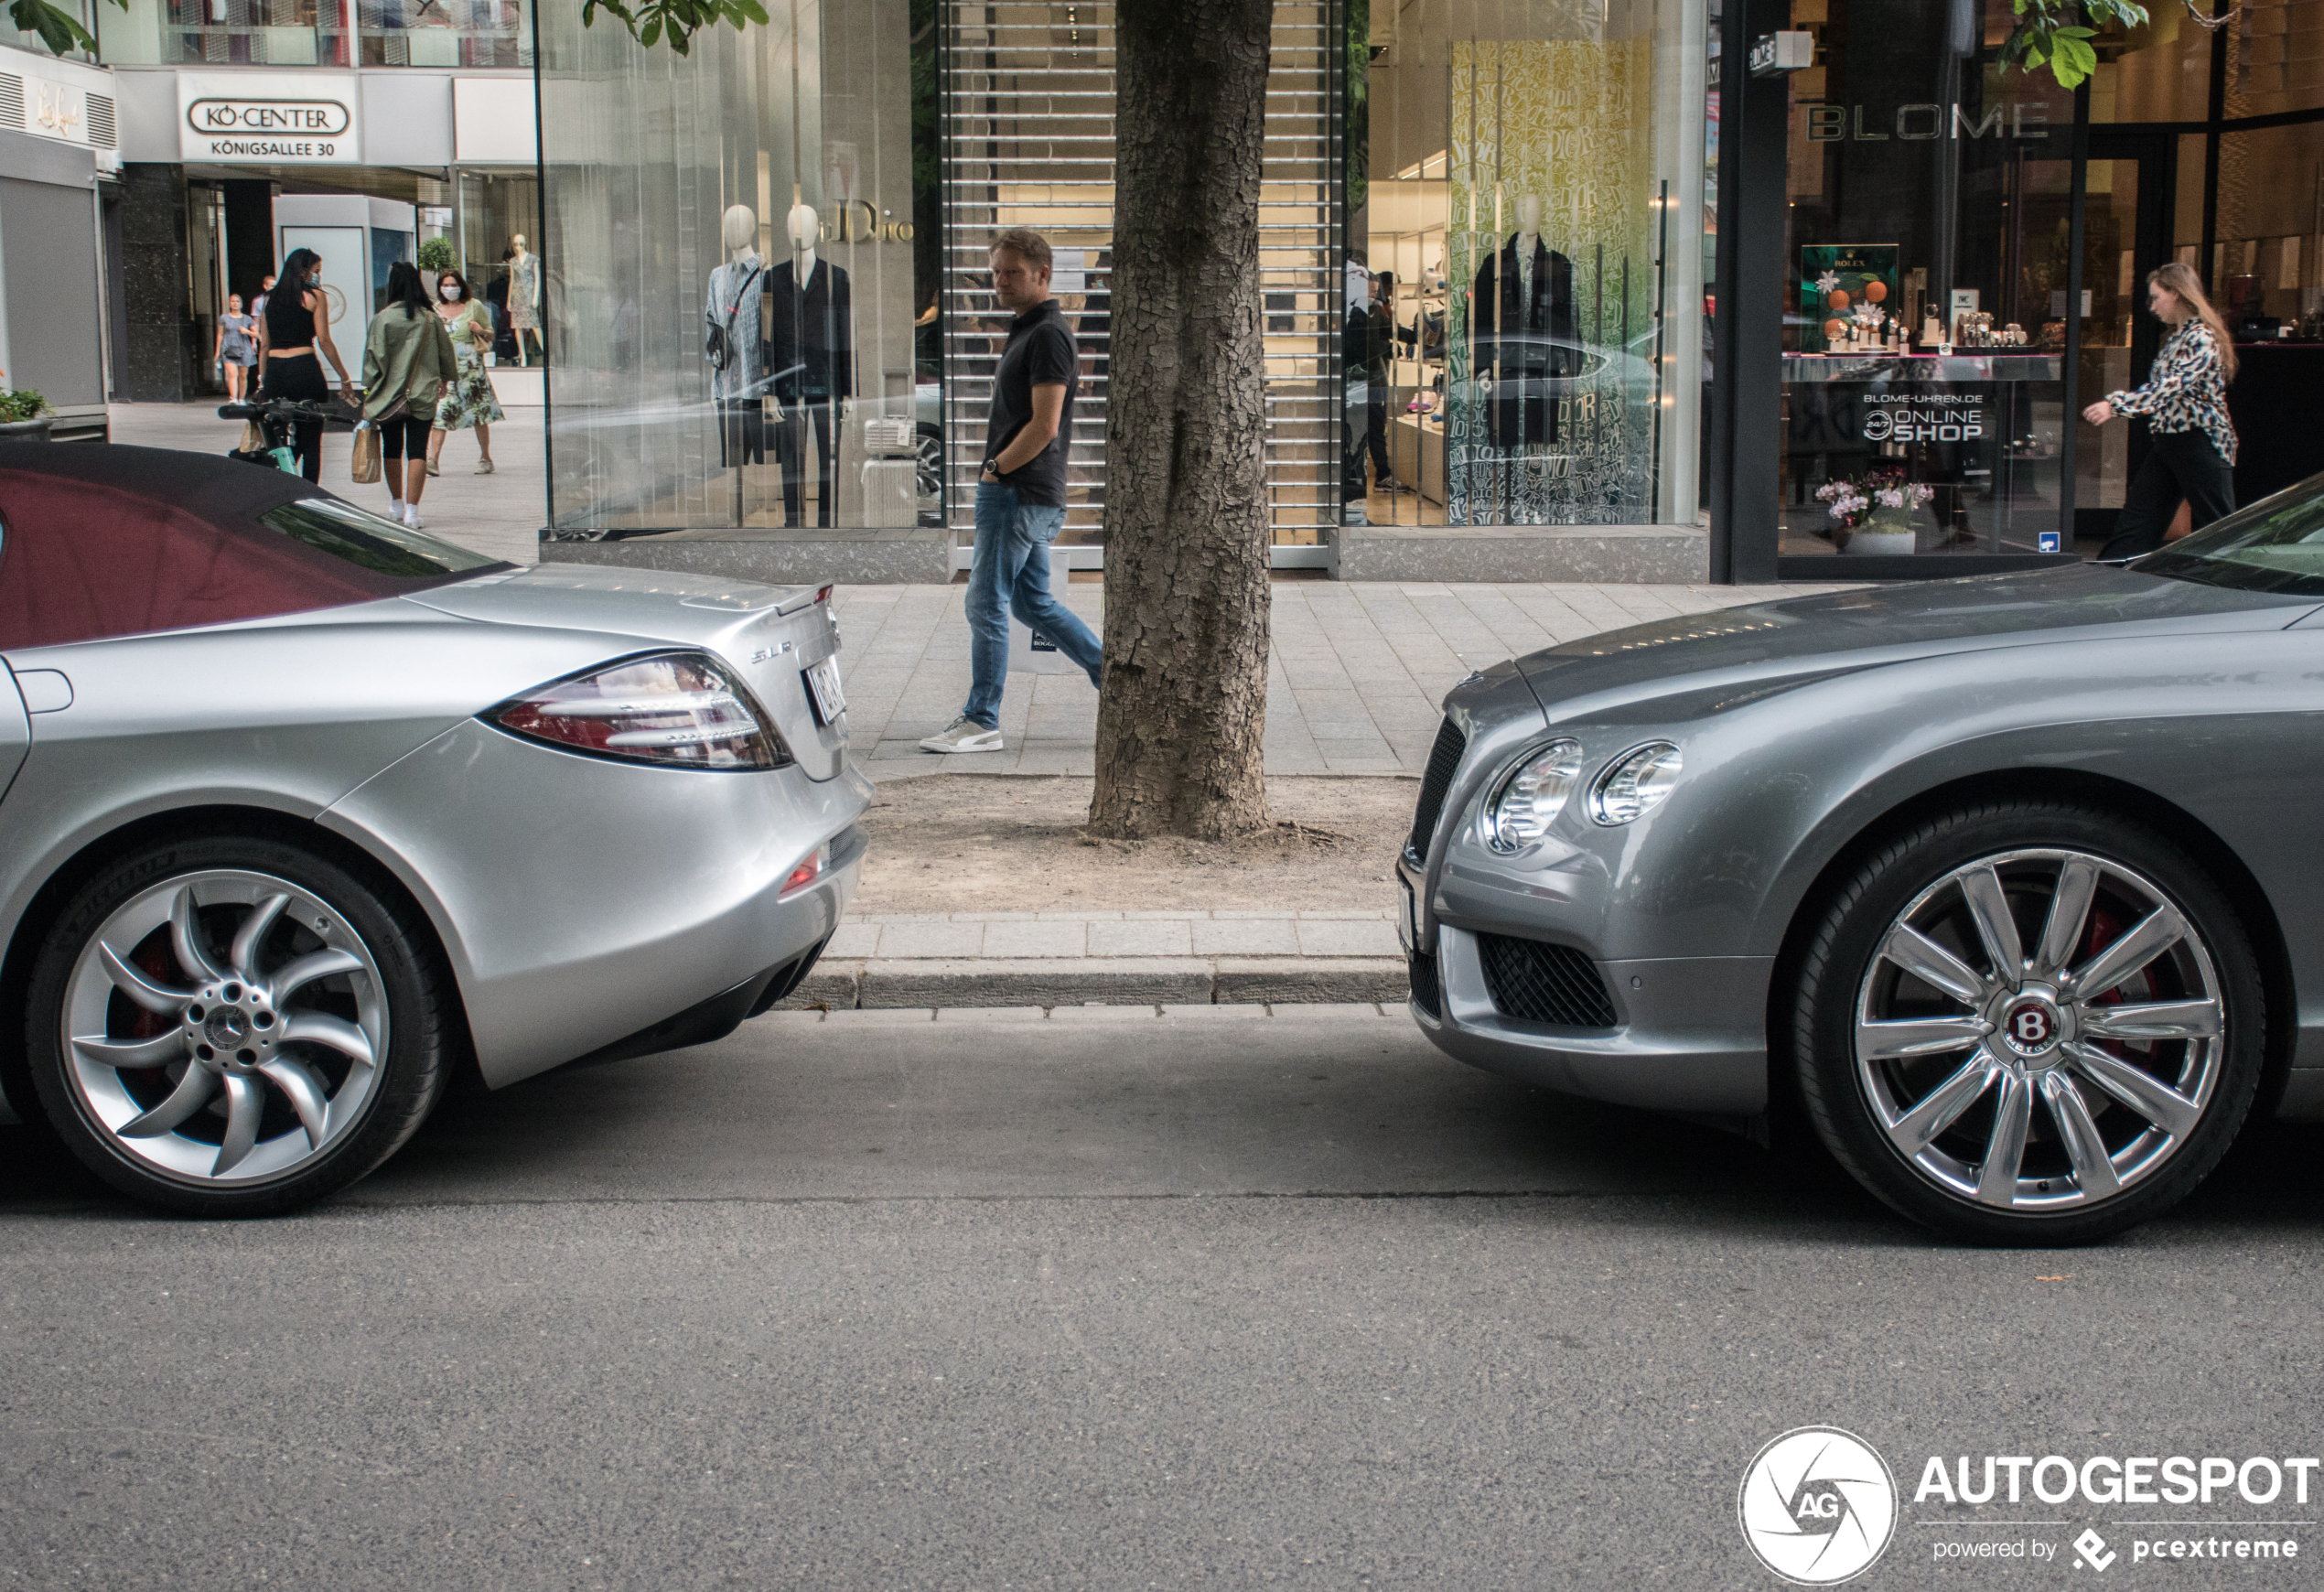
pixel 1817 1506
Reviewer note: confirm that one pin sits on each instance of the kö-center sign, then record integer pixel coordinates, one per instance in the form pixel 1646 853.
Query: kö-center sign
pixel 268 118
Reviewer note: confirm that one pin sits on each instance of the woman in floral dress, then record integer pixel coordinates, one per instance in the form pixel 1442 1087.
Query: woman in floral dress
pixel 471 400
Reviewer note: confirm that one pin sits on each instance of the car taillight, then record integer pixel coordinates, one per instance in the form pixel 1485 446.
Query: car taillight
pixel 678 709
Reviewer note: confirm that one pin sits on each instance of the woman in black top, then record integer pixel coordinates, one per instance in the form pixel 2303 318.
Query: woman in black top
pixel 298 322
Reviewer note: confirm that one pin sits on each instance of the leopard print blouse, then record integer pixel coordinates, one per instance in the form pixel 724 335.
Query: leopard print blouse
pixel 2185 390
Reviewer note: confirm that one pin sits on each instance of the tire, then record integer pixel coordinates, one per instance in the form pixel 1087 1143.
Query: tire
pixel 1921 1066
pixel 234 1026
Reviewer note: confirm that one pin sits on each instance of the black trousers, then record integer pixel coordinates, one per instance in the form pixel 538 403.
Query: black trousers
pixel 295 376
pixel 408 433
pixel 1375 435
pixel 791 446
pixel 2181 467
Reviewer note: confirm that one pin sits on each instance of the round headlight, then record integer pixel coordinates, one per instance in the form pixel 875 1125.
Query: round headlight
pixel 1520 811
pixel 1635 785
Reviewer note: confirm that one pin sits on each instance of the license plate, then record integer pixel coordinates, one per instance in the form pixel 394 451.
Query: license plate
pixel 1408 919
pixel 822 689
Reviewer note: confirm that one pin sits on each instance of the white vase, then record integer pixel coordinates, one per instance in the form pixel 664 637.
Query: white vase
pixel 1876 538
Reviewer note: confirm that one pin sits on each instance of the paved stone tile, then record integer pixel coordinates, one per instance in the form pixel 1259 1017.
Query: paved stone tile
pixel 1328 939
pixel 1250 937
pixel 1141 938
pixel 852 940
pixel 1036 938
pixel 912 940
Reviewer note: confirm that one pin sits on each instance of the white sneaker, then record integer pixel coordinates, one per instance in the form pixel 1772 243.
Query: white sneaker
pixel 412 516
pixel 964 735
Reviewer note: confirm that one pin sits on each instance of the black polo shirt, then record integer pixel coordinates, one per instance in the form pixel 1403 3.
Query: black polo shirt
pixel 1040 351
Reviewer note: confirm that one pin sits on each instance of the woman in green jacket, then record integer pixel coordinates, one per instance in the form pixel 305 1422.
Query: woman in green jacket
pixel 408 366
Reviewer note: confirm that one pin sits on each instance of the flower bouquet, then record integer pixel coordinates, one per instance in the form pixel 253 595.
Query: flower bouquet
pixel 1875 515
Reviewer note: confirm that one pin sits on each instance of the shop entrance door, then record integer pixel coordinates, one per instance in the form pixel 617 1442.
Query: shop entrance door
pixel 2128 205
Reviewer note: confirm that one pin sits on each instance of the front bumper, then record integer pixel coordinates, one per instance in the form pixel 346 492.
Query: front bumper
pixel 1689 1033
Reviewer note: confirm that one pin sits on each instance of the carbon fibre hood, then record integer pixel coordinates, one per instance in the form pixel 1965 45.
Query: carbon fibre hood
pixel 1875 625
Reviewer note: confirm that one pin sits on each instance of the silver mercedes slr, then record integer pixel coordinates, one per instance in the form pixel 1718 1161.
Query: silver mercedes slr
pixel 2012 884
pixel 303 813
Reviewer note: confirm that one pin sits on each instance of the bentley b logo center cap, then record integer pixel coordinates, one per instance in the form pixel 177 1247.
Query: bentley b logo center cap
pixel 2030 1027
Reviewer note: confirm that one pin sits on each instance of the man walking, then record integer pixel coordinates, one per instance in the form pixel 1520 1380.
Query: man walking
pixel 1020 492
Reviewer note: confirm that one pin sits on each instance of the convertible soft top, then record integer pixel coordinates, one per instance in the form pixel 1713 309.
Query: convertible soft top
pixel 100 540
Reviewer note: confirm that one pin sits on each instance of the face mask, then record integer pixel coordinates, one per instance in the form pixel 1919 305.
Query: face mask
pixel 451 294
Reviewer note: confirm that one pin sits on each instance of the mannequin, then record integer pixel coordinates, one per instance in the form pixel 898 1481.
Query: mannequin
pixel 1523 319
pixel 524 299
pixel 811 356
pixel 733 316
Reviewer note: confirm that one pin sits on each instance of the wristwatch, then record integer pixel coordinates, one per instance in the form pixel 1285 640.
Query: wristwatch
pixel 992 467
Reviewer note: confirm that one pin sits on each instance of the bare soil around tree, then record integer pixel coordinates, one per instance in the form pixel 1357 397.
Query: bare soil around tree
pixel 981 843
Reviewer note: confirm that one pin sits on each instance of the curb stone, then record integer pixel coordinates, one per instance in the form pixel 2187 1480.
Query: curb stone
pixel 881 983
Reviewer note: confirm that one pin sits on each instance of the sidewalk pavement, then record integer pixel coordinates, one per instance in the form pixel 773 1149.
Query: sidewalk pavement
pixel 1354 681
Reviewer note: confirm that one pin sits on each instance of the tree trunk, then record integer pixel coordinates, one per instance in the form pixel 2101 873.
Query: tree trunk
pixel 1183 714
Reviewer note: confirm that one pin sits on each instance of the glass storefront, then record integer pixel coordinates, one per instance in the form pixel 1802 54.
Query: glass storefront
pixel 731 301
pixel 1925 335
pixel 1548 156
pixel 1488 232
pixel 1523 300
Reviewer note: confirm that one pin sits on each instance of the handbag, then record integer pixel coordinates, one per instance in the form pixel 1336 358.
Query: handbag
pixel 367 454
pixel 719 350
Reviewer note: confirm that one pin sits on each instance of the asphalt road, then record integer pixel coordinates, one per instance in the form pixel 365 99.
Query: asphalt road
pixel 1108 1300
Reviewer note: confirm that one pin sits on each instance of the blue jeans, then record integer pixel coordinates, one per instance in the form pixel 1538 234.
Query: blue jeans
pixel 1011 570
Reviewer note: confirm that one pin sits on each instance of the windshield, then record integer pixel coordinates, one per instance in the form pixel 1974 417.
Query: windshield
pixel 369 541
pixel 2275 545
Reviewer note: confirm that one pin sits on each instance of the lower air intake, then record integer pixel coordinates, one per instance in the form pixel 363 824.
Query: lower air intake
pixel 1535 983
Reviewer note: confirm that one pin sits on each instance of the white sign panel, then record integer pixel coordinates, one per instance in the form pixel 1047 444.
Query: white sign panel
pixel 270 118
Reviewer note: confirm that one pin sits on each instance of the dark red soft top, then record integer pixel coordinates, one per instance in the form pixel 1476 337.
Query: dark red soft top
pixel 100 539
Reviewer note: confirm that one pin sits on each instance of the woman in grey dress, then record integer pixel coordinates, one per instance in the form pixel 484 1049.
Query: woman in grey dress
pixel 471 400
pixel 237 349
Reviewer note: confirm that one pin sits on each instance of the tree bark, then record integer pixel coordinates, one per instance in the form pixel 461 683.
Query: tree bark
pixel 1183 714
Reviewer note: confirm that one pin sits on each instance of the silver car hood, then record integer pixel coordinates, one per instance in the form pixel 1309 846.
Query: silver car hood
pixel 1837 632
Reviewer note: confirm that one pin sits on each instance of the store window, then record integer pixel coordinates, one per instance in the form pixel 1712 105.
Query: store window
pixel 1926 312
pixel 728 298
pixel 306 33
pixel 497 237
pixel 1523 309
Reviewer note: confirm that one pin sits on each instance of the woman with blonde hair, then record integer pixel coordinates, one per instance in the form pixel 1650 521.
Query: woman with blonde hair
pixel 2192 456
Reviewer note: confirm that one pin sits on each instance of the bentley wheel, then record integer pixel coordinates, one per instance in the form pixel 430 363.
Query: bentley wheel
pixel 234 1027
pixel 2030 1024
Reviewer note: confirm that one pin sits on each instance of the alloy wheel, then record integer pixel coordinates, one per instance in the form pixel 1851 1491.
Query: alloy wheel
pixel 2039 1031
pixel 224 1026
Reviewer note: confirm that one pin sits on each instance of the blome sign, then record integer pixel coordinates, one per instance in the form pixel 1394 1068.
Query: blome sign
pixel 268 118
pixel 1819 1506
